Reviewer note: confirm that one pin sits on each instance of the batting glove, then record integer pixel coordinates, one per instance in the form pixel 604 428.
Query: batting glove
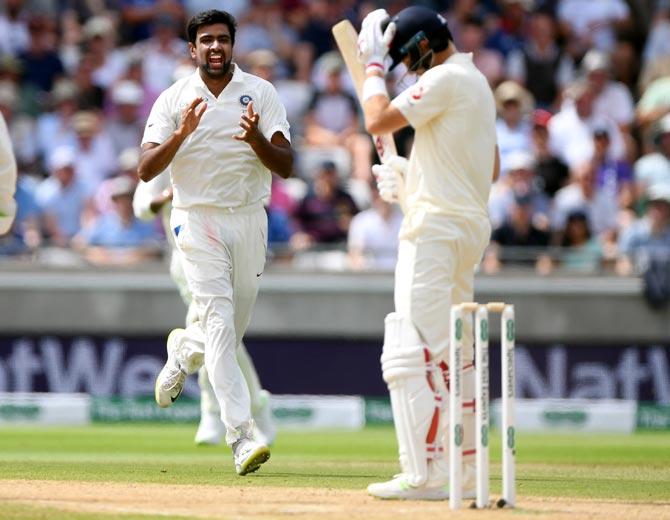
pixel 373 45
pixel 386 176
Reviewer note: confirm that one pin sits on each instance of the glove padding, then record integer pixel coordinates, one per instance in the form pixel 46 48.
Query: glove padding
pixel 373 45
pixel 386 176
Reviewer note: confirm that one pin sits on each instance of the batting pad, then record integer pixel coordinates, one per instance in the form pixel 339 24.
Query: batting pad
pixel 416 397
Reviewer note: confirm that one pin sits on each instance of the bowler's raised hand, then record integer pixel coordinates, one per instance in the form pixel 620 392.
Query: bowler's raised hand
pixel 191 116
pixel 249 125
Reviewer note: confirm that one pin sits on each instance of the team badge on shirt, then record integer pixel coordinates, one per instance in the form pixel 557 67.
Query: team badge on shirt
pixel 416 94
pixel 245 100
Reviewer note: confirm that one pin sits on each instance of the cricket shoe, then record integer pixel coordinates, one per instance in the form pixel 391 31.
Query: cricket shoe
pixel 265 430
pixel 171 379
pixel 210 430
pixel 249 455
pixel 400 488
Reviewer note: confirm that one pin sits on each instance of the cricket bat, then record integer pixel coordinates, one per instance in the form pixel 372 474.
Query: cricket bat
pixel 346 38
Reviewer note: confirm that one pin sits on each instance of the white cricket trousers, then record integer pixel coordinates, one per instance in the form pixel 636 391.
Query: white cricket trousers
pixel 223 256
pixel 437 255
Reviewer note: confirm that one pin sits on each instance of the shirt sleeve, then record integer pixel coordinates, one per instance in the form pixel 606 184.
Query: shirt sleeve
pixel 7 179
pixel 273 114
pixel 148 191
pixel 427 98
pixel 160 123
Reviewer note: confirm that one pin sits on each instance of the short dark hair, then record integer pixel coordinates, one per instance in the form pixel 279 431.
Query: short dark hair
pixel 209 18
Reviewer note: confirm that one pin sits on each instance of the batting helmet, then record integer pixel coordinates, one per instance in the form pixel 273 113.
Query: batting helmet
pixel 414 24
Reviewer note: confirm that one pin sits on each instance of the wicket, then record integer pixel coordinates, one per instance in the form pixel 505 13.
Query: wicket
pixel 507 339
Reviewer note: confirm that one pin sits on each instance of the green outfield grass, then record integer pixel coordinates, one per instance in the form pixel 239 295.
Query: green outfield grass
pixel 633 467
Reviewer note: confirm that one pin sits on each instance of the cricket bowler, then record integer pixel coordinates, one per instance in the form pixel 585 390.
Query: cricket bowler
pixel 443 235
pixel 221 131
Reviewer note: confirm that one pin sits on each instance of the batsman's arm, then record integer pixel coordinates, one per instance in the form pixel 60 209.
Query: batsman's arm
pixel 7 179
pixel 381 117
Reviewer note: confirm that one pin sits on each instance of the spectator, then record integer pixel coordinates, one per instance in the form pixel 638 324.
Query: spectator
pixel 161 53
pixel 586 24
pixel 332 120
pixel 54 128
pixel 316 32
pixel 263 28
pixel 649 237
pixel 128 161
pixel 126 127
pixel 373 235
pixel 519 178
pixel 237 8
pixel 40 62
pixel 513 103
pixel 611 98
pixel 108 62
pixel 655 102
pixel 571 129
pixel 580 252
pixel 615 178
pixel 89 95
pixel 294 94
pixel 135 72
pixel 118 237
pixel 14 35
pixel 518 241
pixel 489 61
pixel 541 65
pixel 280 232
pixel 138 16
pixel 460 11
pixel 63 199
pixel 654 168
pixel 552 173
pixel 95 156
pixel 583 194
pixel 658 41
pixel 325 213
pixel 513 30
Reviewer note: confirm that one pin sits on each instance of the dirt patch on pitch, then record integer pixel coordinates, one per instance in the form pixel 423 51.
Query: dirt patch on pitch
pixel 265 503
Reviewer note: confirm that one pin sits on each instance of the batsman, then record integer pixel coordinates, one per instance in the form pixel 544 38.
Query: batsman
pixel 453 161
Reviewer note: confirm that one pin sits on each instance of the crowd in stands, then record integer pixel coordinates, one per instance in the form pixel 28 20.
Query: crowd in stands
pixel 582 89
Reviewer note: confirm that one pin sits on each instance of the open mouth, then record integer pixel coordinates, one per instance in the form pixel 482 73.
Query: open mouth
pixel 216 61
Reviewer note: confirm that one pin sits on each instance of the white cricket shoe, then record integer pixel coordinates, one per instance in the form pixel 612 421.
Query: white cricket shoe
pixel 171 379
pixel 210 430
pixel 249 455
pixel 265 430
pixel 400 488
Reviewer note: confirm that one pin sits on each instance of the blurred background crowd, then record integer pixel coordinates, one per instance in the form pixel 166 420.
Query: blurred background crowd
pixel 582 89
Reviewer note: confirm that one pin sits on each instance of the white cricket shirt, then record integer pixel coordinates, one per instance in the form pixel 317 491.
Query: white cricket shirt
pixel 211 168
pixel 452 110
